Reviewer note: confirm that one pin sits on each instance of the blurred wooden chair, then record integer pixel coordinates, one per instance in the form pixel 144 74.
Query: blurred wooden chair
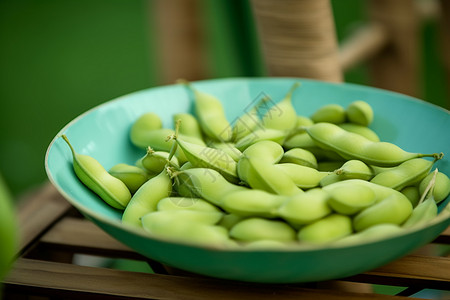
pixel 298 38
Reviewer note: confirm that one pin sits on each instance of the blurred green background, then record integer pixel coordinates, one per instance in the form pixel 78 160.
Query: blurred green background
pixel 61 58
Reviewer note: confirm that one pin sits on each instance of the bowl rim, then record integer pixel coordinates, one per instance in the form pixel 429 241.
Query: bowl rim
pixel 443 216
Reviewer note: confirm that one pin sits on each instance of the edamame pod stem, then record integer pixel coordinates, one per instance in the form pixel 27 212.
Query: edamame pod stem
pixel 354 146
pixel 190 125
pixel 210 114
pixel 282 116
pixel 146 198
pixel 92 174
pixel 155 161
pixel 441 187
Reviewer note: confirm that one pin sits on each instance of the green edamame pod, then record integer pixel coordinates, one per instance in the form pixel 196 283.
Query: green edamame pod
pixel 256 168
pixel 155 161
pixel 303 121
pixel 305 208
pixel 412 193
pixel 266 177
pixel 375 232
pixel 252 203
pixel 189 125
pixel 282 116
pixel 185 203
pixel 355 169
pixel 354 146
pixel 302 140
pixel 229 148
pixel 247 123
pixel 210 115
pixel 361 130
pixel 300 157
pixel 159 140
pixel 326 230
pixel 205 183
pixel 303 177
pixel 259 135
pixel 170 226
pixel 147 122
pixel 360 112
pixel 229 220
pixel 394 209
pixel 93 175
pixel 254 229
pixel 331 113
pixel 330 178
pixel 329 166
pixel 422 213
pixel 299 140
pixel 441 187
pixel 407 173
pixel 381 192
pixel 207 157
pixel 146 198
pixel 132 176
pixel 349 200
pixel 186 165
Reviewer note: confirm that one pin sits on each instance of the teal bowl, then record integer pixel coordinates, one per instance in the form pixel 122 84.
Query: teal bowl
pixel 102 132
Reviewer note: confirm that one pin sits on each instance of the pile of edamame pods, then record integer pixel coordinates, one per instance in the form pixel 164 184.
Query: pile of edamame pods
pixel 272 178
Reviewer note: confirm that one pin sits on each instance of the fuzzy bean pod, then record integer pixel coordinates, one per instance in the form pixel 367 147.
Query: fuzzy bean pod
pixel 146 198
pixel 93 175
pixel 354 146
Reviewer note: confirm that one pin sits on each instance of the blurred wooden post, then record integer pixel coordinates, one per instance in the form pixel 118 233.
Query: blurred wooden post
pixel 298 38
pixel 445 42
pixel 396 67
pixel 179 40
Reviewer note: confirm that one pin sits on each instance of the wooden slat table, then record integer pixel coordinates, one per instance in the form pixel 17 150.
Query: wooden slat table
pixel 53 231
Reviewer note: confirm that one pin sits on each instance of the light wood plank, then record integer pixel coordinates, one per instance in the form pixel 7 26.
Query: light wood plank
pixel 413 270
pixel 37 211
pixel 40 277
pixel 82 236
